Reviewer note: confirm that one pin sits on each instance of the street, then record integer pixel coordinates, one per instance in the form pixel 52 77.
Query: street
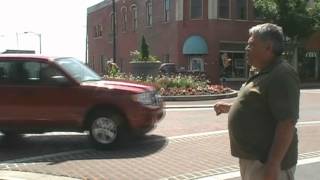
pixel 191 142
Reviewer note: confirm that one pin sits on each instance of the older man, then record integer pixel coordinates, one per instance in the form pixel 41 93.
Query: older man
pixel 262 119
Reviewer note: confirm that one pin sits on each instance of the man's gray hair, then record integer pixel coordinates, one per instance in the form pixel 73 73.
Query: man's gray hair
pixel 270 32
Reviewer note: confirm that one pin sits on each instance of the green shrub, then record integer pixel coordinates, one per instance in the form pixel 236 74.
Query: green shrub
pixel 137 57
pixel 112 69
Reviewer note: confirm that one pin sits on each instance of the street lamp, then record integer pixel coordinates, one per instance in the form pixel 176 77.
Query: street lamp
pixel 38 34
pixel 1 36
pixel 114 31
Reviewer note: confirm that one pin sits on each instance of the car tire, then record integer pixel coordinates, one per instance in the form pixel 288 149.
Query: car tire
pixel 107 129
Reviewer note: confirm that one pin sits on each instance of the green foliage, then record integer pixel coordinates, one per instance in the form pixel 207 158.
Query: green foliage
pixel 177 85
pixel 315 12
pixel 112 69
pixel 137 57
pixel 181 81
pixel 144 50
pixel 177 81
pixel 297 18
pixel 143 55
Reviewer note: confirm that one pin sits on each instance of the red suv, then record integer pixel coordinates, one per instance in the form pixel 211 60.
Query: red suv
pixel 43 94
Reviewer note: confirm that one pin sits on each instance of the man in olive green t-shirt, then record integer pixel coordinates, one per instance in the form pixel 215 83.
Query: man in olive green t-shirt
pixel 262 119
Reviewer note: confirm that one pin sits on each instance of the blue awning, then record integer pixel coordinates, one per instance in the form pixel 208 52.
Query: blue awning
pixel 195 45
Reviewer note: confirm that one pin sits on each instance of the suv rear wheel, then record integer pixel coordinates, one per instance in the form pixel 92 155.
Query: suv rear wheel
pixel 106 129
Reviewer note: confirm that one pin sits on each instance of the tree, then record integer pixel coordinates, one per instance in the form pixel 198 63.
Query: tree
pixel 144 49
pixel 298 18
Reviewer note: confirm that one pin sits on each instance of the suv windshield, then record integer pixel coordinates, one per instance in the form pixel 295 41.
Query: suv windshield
pixel 77 70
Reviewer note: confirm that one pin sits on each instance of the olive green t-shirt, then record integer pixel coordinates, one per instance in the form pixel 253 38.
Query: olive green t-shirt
pixel 266 98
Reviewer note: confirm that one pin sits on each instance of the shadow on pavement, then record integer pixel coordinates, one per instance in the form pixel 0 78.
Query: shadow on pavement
pixel 34 147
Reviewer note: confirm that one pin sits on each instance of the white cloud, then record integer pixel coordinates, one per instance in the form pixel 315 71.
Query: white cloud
pixel 62 24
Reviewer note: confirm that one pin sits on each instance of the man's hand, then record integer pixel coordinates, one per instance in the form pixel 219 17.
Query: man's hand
pixel 282 140
pixel 221 107
pixel 271 171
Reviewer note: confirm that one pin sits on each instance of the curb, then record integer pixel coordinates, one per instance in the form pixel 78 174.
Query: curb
pixel 200 97
pixel 310 86
pixel 17 175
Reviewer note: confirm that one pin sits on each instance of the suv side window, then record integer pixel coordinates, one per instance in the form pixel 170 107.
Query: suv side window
pixel 50 75
pixel 4 68
pixel 13 72
pixel 28 73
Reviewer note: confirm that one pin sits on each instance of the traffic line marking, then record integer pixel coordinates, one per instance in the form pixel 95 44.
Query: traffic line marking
pixel 310 91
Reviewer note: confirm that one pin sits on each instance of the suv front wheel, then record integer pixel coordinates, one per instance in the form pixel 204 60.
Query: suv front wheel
pixel 106 129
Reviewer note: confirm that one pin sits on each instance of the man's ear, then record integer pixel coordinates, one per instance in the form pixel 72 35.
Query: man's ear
pixel 269 46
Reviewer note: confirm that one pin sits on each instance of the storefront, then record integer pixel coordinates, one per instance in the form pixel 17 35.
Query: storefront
pixel 233 63
pixel 308 65
pixel 195 48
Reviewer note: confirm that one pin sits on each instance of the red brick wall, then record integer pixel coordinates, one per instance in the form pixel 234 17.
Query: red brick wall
pixel 313 43
pixel 101 45
pixel 165 38
pixel 161 36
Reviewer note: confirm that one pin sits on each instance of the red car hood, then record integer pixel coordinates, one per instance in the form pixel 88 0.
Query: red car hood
pixel 120 85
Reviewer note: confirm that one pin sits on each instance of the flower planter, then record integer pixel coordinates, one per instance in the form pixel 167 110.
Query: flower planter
pixel 145 68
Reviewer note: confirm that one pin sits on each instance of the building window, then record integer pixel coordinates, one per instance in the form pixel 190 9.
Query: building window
pixel 134 11
pixel 224 9
pixel 166 58
pixel 196 9
pixel 166 9
pixel 241 9
pixel 92 63
pixel 111 21
pixel 94 31
pixel 97 31
pixel 233 65
pixel 196 64
pixel 102 65
pixel 257 14
pixel 124 19
pixel 149 13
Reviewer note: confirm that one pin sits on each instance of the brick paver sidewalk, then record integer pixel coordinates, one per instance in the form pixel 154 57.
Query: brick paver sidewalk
pixel 188 157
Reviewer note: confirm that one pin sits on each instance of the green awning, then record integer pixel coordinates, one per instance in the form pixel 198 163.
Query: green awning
pixel 195 45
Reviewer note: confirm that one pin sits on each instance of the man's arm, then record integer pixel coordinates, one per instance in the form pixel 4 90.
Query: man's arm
pixel 282 140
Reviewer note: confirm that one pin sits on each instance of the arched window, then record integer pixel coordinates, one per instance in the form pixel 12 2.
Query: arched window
pixel 134 12
pixel 98 31
pixel 124 19
pixel 111 22
pixel 149 12
pixel 166 10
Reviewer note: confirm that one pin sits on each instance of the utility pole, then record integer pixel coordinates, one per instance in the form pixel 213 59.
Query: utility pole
pixel 86 53
pixel 114 31
pixel 17 39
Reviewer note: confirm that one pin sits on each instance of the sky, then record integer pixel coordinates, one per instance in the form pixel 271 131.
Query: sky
pixel 61 23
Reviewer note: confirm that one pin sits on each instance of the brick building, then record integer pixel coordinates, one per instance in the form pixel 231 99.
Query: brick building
pixel 197 35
